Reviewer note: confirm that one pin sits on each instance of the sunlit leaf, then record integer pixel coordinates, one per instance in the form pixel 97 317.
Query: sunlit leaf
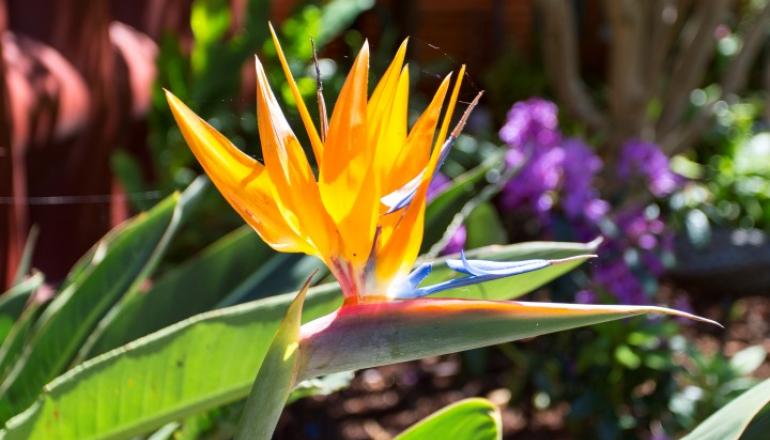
pixel 729 422
pixel 276 378
pixel 116 266
pixel 469 419
pixel 367 335
pixel 175 363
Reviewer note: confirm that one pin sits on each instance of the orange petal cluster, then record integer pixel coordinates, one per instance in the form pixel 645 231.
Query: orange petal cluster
pixel 368 152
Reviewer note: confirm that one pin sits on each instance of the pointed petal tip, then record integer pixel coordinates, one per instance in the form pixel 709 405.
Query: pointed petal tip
pixel 364 49
pixel 683 314
pixel 596 242
pixel 306 286
pixel 170 97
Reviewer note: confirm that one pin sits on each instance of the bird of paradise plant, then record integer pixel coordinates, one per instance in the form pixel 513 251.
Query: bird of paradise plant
pixel 363 215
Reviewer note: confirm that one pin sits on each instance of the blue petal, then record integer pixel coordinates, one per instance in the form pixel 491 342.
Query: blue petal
pixel 475 271
pixel 401 197
pixel 419 274
pixel 487 267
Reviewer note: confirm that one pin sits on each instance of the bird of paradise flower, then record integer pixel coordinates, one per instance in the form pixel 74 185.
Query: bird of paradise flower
pixel 363 215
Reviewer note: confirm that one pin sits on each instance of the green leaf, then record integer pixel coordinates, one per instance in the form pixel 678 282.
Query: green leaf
pixel 19 334
pixel 368 335
pixel 235 268
pixel 193 287
pixel 174 365
pixel 26 255
pixel 12 302
pixel 471 419
pixel 321 386
pixel 117 266
pixel 276 378
pixel 731 420
pixel 209 21
pixel 338 15
pixel 759 427
pixel 484 227
pixel 747 360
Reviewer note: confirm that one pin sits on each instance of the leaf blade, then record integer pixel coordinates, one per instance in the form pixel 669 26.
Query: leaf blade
pixel 368 335
pixel 276 378
pixel 219 334
pixel 732 419
pixel 469 419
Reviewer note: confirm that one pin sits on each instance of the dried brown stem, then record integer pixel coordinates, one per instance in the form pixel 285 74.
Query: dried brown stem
pixel 466 114
pixel 319 93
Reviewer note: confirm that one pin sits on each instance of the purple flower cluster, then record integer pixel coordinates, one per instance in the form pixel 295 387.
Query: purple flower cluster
pixel 552 169
pixel 616 276
pixel 581 198
pixel 646 160
pixel 634 251
pixel 532 123
pixel 557 176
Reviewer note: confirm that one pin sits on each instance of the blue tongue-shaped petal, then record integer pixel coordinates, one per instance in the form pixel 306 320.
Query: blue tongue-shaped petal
pixel 475 271
pixel 401 197
pixel 483 268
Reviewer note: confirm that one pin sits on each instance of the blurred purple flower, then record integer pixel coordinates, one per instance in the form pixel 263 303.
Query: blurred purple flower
pixel 581 199
pixel 533 184
pixel 530 123
pixel 615 276
pixel 532 134
pixel 638 229
pixel 648 161
pixel 439 183
pixel 585 297
pixel 457 242
pixel 557 172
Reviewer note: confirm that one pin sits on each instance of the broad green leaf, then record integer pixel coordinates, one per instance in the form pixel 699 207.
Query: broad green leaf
pixel 469 419
pixel 12 302
pixel 729 422
pixel 276 378
pixel 194 287
pixel 235 268
pixel 19 334
pixel 293 268
pixel 368 335
pixel 185 204
pixel 117 266
pixel 175 364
